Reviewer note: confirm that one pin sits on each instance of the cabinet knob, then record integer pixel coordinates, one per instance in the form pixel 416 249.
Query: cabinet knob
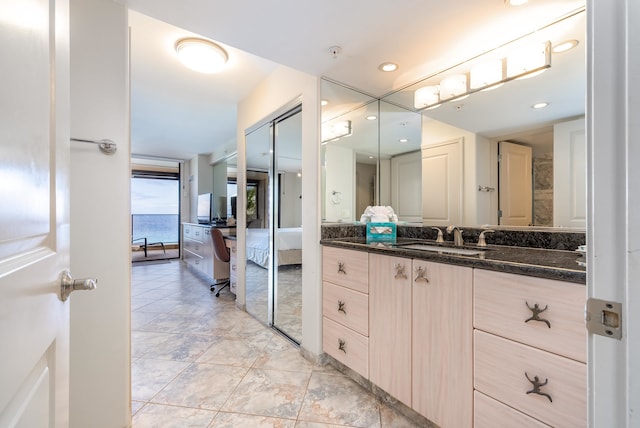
pixel 341 268
pixel 341 345
pixel 341 307
pixel 535 314
pixel 400 274
pixel 536 384
pixel 421 274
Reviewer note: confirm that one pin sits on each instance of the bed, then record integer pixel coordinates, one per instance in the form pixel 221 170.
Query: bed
pixel 289 246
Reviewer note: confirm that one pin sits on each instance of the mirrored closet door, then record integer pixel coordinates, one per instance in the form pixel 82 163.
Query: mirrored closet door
pixel 274 223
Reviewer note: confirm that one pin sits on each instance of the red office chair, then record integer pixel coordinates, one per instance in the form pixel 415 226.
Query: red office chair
pixel 221 253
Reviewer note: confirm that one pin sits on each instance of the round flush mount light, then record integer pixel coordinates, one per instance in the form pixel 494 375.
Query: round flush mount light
pixel 565 46
pixel 324 102
pixel 388 66
pixel 201 55
pixel 539 105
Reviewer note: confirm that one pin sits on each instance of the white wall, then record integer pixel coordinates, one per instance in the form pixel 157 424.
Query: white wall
pixel 100 216
pixel 283 86
pixel 340 184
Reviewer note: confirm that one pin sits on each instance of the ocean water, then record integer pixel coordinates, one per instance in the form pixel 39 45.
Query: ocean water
pixel 156 227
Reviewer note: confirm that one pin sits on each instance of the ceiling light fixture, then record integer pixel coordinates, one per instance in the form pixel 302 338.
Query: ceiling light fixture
pixel 388 66
pixel 403 140
pixel 565 46
pixel 516 2
pixel 335 131
pixel 201 55
pixel 372 117
pixel 522 62
pixel 539 105
pixel 324 102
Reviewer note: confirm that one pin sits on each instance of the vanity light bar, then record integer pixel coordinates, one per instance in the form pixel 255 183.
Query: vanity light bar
pixel 527 62
pixel 336 130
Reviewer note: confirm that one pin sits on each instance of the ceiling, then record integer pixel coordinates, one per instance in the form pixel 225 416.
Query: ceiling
pixel 177 113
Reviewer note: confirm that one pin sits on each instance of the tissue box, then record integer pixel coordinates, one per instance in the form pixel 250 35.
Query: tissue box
pixel 381 232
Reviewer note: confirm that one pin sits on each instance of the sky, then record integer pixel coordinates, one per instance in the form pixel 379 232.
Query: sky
pixel 153 196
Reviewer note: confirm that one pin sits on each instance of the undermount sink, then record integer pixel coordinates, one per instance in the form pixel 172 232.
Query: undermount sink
pixel 439 249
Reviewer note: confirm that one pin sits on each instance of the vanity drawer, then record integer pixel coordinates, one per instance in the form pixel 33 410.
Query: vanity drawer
pixel 346 346
pixel 502 305
pixel 348 268
pixel 501 370
pixel 345 306
pixel 489 413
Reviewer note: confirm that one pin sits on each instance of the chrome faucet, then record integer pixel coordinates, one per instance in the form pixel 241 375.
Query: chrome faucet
pixel 481 239
pixel 457 235
pixel 440 238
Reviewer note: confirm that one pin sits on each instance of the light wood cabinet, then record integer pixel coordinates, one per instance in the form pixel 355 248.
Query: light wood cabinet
pixel 530 348
pixel 390 325
pixel 543 313
pixel 490 413
pixel 345 307
pixel 442 344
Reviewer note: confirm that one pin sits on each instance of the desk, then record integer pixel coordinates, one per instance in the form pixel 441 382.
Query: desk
pixel 198 253
pixel 232 245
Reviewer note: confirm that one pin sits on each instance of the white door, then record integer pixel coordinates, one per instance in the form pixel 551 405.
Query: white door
pixel 34 213
pixel 516 192
pixel 442 183
pixel 570 174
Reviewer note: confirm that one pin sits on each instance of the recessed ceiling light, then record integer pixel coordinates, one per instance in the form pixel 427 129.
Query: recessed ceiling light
pixel 403 140
pixel 388 66
pixel 539 105
pixel 515 2
pixel 324 102
pixel 372 117
pixel 201 55
pixel 565 46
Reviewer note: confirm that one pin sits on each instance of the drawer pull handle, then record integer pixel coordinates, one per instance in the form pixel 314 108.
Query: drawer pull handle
pixel 341 344
pixel 535 314
pixel 341 268
pixel 399 271
pixel 421 273
pixel 341 307
pixel 537 385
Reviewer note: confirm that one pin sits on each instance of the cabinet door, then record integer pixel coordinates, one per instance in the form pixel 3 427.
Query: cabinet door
pixel 390 325
pixel 443 343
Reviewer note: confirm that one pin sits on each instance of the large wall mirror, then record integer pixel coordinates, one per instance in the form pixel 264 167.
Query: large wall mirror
pixel 479 132
pixel 363 139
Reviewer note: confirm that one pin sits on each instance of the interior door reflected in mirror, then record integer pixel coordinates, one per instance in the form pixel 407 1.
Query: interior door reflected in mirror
pixel 544 112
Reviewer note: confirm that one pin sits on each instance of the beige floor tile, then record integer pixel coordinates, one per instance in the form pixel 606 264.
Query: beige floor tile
pixel 269 393
pixel 159 416
pixel 202 386
pixel 335 399
pixel 237 420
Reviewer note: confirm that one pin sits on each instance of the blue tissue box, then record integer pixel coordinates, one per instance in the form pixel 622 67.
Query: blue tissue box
pixel 381 232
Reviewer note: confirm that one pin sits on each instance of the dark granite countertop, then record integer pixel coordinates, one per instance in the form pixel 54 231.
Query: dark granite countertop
pixel 544 263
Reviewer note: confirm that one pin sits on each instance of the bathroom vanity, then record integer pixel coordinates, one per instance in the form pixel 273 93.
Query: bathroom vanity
pixel 493 338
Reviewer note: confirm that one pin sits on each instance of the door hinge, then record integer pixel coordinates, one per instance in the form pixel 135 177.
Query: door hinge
pixel 499 158
pixel 499 213
pixel 604 318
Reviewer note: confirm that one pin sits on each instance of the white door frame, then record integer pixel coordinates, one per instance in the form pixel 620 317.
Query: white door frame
pixel 613 236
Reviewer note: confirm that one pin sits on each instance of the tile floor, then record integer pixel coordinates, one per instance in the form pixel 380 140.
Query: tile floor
pixel 197 361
